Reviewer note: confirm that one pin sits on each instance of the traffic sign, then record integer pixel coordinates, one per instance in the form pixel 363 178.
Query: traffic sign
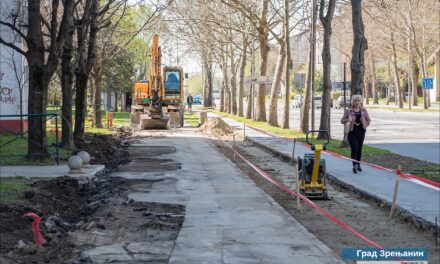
pixel 259 79
pixel 428 83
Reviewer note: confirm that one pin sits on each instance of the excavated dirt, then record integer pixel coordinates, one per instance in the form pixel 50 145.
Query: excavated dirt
pixel 216 126
pixel 104 149
pixel 61 202
pixel 363 215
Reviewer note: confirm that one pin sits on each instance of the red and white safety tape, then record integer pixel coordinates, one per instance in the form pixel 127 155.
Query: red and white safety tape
pixel 308 201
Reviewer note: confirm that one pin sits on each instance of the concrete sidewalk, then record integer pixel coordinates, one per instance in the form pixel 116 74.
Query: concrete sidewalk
pixel 415 198
pixel 52 171
pixel 227 218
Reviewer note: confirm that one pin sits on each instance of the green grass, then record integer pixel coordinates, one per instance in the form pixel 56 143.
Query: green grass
pixel 11 189
pixel 191 119
pixel 15 152
pixel 288 133
pixel 370 154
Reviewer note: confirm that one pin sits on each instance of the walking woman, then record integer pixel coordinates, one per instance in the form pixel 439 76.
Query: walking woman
pixel 358 120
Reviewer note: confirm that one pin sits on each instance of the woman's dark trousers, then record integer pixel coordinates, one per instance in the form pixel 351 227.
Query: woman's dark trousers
pixel 356 140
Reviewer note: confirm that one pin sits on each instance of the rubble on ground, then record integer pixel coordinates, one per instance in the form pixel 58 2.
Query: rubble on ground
pixel 217 127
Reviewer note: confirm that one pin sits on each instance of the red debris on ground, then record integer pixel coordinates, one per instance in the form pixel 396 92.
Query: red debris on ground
pixel 39 240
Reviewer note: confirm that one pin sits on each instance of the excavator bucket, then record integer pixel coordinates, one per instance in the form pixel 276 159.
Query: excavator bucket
pixel 147 122
pixel 175 119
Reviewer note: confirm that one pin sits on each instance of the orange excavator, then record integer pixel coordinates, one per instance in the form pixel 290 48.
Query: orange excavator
pixel 158 102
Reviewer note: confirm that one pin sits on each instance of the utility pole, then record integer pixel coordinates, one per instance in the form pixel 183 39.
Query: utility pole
pixel 409 58
pixel 344 86
pixel 252 95
pixel 313 58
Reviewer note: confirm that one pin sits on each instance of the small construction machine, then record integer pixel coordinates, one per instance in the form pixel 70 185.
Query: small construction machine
pixel 311 170
pixel 158 102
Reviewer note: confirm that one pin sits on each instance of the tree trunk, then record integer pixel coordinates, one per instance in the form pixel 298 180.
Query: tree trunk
pixel 276 86
pixel 38 85
pixel 233 85
pixel 374 78
pixel 264 52
pixel 82 72
pixel 80 106
pixel 399 92
pixel 66 87
pixel 287 67
pixel 359 46
pixel 389 85
pixel 116 102
pixel 326 65
pixel 305 110
pixel 222 98
pixel 97 76
pixel 37 140
pixel 207 88
pixel 210 80
pixel 415 81
pixel 233 94
pixel 366 92
pixel 241 83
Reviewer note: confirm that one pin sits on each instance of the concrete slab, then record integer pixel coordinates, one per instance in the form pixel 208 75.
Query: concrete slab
pixel 227 218
pixel 48 171
pixel 419 200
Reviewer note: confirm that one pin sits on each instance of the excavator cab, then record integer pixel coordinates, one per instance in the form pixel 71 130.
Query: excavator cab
pixel 159 101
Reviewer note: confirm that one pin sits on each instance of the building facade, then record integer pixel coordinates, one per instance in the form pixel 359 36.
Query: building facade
pixel 14 73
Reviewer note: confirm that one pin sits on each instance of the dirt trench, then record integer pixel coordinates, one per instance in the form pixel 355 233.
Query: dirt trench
pixel 362 214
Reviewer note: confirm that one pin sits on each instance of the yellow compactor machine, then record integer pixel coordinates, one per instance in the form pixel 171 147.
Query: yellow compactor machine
pixel 158 101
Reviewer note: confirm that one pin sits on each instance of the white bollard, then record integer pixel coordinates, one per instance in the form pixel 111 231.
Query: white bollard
pixel 75 163
pixel 85 156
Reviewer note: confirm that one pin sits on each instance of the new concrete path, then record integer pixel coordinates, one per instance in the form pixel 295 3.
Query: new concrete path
pixel 414 197
pixel 228 219
pixel 48 171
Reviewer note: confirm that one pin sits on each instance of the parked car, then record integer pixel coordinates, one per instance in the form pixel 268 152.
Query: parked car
pixel 340 102
pixel 197 99
pixel 297 101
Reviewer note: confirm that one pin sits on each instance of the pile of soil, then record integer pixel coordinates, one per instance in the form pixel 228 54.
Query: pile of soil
pixel 60 202
pixel 123 132
pixel 104 149
pixel 217 127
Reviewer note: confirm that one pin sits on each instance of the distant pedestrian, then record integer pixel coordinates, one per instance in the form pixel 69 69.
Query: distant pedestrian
pixel 189 101
pixel 358 119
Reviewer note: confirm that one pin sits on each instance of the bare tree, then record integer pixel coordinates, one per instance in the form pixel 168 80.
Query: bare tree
pixel 326 22
pixel 44 35
pixel 359 46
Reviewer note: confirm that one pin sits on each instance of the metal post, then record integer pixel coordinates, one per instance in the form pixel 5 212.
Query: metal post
pixel 313 55
pixel 56 140
pixel 344 83
pixel 252 75
pixel 293 150
pixel 410 84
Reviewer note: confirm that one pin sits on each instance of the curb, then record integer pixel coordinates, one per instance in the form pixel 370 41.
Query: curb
pixel 400 212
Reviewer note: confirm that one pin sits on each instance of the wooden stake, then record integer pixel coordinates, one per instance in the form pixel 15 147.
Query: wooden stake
pixel 244 131
pixel 298 200
pixel 396 187
pixel 293 151
pixel 233 137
